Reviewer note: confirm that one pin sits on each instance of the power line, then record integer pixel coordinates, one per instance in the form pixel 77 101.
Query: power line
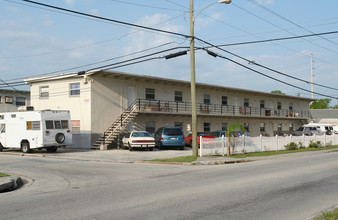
pixel 147 6
pixel 265 75
pixel 108 19
pixel 332 51
pixel 262 66
pixel 288 20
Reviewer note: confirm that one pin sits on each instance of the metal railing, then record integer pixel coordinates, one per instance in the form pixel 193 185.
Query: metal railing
pixel 164 106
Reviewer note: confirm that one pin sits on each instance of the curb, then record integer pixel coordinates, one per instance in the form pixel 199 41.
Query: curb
pixel 10 183
pixel 332 208
pixel 161 163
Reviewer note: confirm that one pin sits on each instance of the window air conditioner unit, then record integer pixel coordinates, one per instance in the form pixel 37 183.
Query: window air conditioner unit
pixel 8 99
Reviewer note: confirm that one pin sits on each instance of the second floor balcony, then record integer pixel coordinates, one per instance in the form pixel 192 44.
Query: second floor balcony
pixel 172 107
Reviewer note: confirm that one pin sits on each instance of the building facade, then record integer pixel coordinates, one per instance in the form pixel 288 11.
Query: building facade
pixel 10 100
pixel 102 99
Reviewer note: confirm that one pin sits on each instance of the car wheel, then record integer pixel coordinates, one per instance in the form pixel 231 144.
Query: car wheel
pixel 25 147
pixel 160 146
pixel 151 148
pixel 51 149
pixel 130 148
pixel 182 148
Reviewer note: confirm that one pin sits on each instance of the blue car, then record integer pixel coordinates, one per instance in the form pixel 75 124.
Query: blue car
pixel 169 136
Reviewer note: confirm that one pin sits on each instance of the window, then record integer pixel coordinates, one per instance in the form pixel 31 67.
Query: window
pixel 179 124
pixel 178 96
pixel 150 93
pixel 246 126
pixel 33 125
pixel 262 104
pixel 2 117
pixel 20 101
pixel 206 99
pixel 74 89
pixel 206 127
pixel 57 124
pixel 3 128
pixel 291 127
pixel 44 92
pixel 64 124
pixel 262 127
pixel 224 126
pixel 150 127
pixel 9 99
pixel 224 100
pixel 279 105
pixel 75 126
pixel 13 115
pixel 246 102
pixel 291 107
pixel 49 125
pixel 280 127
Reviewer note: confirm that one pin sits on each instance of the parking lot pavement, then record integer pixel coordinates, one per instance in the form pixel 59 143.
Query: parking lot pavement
pixel 115 155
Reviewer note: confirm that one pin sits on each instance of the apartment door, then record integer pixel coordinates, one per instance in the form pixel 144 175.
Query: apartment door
pixel 131 95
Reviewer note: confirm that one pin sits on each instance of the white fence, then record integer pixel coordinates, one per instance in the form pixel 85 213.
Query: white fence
pixel 218 146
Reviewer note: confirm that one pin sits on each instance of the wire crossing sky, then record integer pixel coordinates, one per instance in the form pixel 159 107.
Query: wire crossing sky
pixel 35 40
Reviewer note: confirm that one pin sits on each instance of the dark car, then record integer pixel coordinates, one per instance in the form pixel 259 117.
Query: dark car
pixel 169 136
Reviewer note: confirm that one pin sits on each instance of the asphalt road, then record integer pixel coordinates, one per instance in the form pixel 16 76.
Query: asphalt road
pixel 66 188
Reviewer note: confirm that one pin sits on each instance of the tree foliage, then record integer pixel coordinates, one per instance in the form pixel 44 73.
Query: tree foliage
pixel 320 104
pixel 278 92
pixel 231 129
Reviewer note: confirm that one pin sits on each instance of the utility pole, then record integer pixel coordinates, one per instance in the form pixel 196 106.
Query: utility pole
pixel 193 84
pixel 311 78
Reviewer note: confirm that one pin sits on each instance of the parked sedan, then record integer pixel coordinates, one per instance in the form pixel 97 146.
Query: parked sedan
pixel 188 140
pixel 138 139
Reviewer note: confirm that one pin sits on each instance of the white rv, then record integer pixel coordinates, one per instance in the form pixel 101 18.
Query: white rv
pixel 324 128
pixel 26 130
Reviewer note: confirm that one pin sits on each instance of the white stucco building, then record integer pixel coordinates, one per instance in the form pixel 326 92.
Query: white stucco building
pixel 10 100
pixel 98 99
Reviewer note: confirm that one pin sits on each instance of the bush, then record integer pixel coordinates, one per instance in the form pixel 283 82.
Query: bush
pixel 313 144
pixel 291 146
pixel 301 146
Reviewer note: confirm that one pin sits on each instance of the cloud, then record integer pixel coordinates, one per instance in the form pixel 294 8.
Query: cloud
pixel 70 2
pixel 94 12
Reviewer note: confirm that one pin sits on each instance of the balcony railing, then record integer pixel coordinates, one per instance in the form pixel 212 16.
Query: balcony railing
pixel 163 106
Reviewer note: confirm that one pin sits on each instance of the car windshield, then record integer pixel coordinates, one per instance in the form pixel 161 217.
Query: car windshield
pixel 141 134
pixel 172 131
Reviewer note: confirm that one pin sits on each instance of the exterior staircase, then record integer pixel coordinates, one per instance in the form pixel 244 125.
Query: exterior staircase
pixel 112 133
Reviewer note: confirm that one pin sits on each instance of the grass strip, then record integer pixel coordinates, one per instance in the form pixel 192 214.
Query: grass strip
pixel 184 159
pixel 271 153
pixel 3 175
pixel 328 215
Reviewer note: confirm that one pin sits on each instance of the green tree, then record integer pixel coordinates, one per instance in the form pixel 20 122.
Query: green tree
pixel 278 92
pixel 320 104
pixel 232 128
pixel 336 107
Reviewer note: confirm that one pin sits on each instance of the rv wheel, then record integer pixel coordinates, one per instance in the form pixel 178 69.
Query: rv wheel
pixel 60 138
pixel 1 147
pixel 25 147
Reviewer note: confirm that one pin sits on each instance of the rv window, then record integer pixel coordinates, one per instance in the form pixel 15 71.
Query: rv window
pixel 13 115
pixel 33 125
pixel 57 124
pixel 49 125
pixel 64 124
pixel 2 117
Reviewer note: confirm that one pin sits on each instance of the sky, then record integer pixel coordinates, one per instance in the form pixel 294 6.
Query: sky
pixel 36 40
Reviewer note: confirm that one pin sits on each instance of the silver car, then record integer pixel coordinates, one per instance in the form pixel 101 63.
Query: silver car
pixel 308 131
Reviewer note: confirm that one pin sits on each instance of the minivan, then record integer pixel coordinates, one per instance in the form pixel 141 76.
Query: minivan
pixel 169 136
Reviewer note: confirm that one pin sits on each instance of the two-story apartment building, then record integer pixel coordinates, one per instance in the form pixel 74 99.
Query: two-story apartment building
pixel 10 100
pixel 100 100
